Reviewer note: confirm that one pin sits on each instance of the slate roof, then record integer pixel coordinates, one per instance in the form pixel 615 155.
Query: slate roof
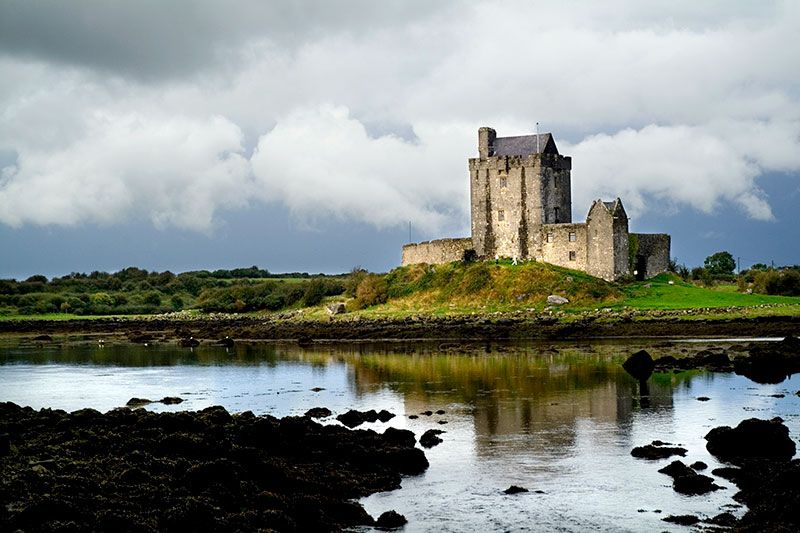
pixel 524 145
pixel 610 205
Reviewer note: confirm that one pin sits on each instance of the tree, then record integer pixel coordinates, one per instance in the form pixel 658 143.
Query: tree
pixel 720 263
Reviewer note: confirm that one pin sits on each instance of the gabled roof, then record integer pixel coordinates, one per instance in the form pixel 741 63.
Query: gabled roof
pixel 615 207
pixel 525 145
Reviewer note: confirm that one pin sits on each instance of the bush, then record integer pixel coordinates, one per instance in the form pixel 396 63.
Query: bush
pixel 778 282
pixel 315 292
pixel 372 290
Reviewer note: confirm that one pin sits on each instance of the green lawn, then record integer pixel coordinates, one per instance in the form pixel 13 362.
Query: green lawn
pixel 657 293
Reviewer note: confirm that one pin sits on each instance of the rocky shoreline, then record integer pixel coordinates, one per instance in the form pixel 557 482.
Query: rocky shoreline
pixel 131 470
pixel 218 328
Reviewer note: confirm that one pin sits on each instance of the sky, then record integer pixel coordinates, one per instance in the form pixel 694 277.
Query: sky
pixel 319 136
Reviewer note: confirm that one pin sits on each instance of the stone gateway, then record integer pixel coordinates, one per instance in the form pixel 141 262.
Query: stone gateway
pixel 521 205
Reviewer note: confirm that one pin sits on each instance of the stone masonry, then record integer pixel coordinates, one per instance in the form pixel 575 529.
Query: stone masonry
pixel 521 204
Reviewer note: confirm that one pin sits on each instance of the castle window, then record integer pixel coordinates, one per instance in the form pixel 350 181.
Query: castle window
pixel 501 214
pixel 550 237
pixel 572 256
pixel 504 182
pixel 555 214
pixel 572 236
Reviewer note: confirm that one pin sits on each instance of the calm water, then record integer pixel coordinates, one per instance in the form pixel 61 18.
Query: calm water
pixel 561 418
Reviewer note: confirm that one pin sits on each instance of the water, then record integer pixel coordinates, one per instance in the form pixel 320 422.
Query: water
pixel 558 418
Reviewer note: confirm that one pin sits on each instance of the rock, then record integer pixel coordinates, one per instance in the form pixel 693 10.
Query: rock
pixel 426 413
pixel 699 465
pixel 43 338
pixel 391 520
pixel 652 452
pixel 336 308
pixel 555 299
pixel 384 415
pixel 402 437
pixel 5 444
pixel 133 403
pixel 683 520
pixel 639 365
pixel 687 481
pixel 770 362
pixel 413 417
pixel 430 438
pixel 171 400
pixel 677 469
pixel 440 412
pixel 751 439
pixel 317 389
pixel 318 412
pixel 353 418
pixel 514 489
pixel 694 484
pixel 703 398
pixel 724 520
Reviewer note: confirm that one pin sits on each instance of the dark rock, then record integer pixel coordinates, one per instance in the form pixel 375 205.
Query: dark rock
pixel 653 452
pixel 514 489
pixel 442 422
pixel 440 412
pixel 639 365
pixel 677 469
pixel 413 417
pixel 694 484
pixel 665 363
pixel 683 520
pixel 703 398
pixel 133 403
pixel 770 362
pixel 402 437
pixel 317 389
pixel 430 438
pixel 43 338
pixel 354 418
pixel 699 465
pixel 171 400
pixel 5 444
pixel 385 416
pixel 426 413
pixel 724 520
pixel 193 471
pixel 318 412
pixel 752 438
pixel 391 520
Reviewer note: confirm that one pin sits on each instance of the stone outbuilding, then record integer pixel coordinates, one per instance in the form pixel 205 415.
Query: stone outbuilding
pixel 521 206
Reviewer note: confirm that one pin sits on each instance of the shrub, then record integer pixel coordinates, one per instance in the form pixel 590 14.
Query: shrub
pixel 315 292
pixel 372 290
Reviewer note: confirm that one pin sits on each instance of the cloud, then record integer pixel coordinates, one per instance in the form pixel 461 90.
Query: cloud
pixel 368 111
pixel 321 163
pixel 672 165
pixel 175 171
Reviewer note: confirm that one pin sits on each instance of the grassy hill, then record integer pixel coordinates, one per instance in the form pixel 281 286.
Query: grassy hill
pixel 489 287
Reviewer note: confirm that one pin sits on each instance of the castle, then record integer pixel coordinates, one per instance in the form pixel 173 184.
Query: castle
pixel 521 204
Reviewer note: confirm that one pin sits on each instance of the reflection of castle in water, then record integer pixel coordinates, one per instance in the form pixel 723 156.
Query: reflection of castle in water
pixel 521 393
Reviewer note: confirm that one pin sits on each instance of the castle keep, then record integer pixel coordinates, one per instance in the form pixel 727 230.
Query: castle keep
pixel 521 204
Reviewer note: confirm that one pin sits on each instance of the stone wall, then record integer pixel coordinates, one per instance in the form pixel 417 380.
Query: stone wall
pixel 564 245
pixel 436 252
pixel 511 196
pixel 653 250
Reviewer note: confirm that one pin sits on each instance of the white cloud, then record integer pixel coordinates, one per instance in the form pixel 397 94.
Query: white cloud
pixel 664 104
pixel 175 171
pixel 673 164
pixel 321 162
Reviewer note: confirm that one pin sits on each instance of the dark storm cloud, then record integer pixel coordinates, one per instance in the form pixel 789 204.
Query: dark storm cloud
pixel 153 38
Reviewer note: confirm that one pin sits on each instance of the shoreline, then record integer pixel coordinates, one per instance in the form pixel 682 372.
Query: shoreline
pixel 421 328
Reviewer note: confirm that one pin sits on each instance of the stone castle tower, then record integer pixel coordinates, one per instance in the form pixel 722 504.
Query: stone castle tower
pixel 521 206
